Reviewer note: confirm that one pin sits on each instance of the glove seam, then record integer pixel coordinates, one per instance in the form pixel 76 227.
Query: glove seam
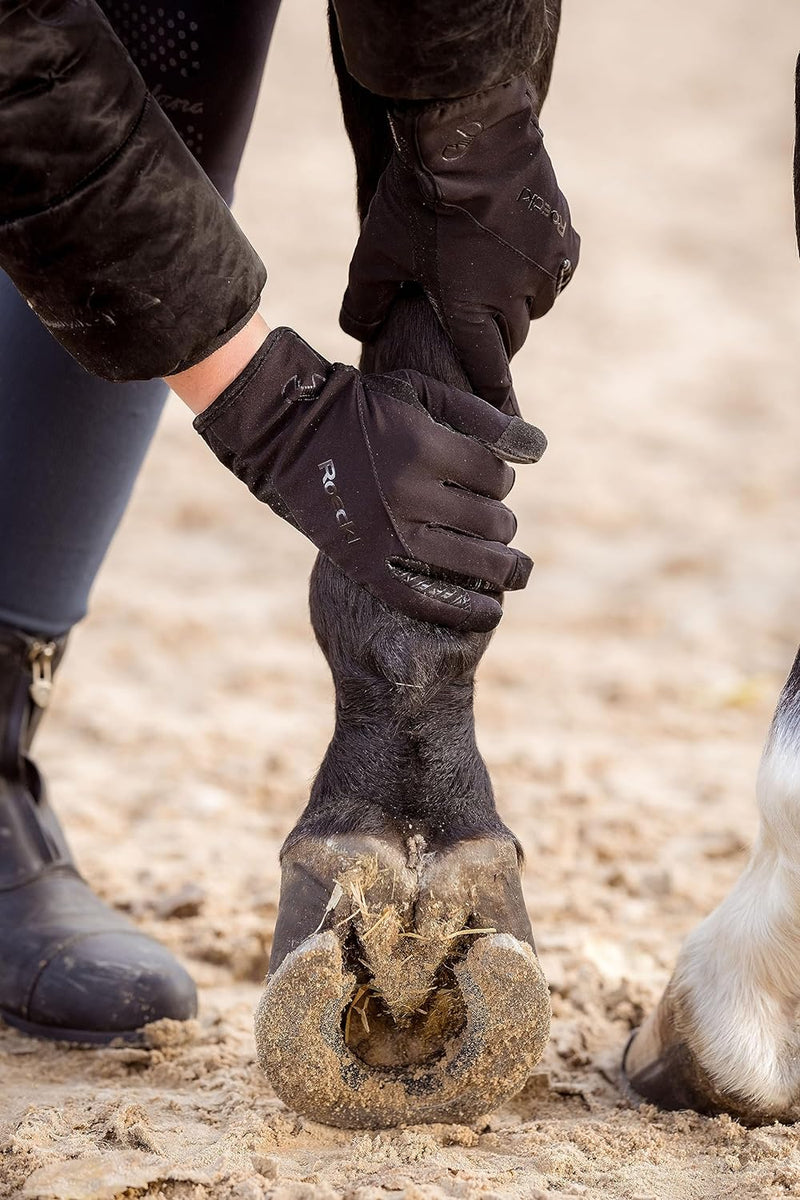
pixel 415 108
pixel 501 241
pixel 373 465
pixel 411 398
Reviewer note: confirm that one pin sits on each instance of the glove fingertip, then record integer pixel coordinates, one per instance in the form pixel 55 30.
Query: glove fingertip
pixel 357 327
pixel 484 615
pixel 521 572
pixel 520 442
pixel 365 307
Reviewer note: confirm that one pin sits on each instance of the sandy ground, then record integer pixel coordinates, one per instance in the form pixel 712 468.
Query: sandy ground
pixel 622 705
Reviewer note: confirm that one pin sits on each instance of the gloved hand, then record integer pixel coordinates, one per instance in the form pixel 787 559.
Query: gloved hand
pixel 397 478
pixel 469 208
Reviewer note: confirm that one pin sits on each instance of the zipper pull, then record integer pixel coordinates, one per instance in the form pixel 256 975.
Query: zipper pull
pixel 41 660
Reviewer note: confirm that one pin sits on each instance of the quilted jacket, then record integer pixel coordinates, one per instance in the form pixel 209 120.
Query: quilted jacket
pixel 108 226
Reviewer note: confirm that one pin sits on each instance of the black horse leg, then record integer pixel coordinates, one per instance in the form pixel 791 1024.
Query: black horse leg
pixel 404 983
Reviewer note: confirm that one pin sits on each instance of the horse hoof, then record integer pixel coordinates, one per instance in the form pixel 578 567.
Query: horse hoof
pixel 403 1003
pixel 660 1067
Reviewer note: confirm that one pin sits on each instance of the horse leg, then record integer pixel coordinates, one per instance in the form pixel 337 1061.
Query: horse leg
pixel 725 1035
pixel 404 983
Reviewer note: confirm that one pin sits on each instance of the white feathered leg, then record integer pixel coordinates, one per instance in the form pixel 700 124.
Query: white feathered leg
pixel 725 1035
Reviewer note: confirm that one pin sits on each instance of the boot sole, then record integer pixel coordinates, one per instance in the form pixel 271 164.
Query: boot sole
pixel 82 1037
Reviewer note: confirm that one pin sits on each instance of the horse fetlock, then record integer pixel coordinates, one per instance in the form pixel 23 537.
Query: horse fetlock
pixel 723 1038
pixel 403 984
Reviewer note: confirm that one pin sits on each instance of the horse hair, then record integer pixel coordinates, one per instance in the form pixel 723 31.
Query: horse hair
pixel 403 756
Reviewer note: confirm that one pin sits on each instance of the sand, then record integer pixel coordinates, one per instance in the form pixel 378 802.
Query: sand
pixel 622 706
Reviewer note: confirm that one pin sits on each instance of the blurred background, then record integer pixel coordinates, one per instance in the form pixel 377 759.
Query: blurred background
pixel 623 703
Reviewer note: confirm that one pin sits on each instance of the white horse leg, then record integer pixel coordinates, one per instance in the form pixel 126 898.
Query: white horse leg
pixel 726 1035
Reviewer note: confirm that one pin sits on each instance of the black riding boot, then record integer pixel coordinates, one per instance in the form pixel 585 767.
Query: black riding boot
pixel 71 968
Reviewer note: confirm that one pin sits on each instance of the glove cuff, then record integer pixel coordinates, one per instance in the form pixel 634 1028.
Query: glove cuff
pixel 434 133
pixel 287 369
pixel 243 426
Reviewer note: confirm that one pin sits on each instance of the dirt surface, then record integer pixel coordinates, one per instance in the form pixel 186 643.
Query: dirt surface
pixel 622 705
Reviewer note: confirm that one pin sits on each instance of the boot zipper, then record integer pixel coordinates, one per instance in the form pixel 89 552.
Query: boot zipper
pixel 40 657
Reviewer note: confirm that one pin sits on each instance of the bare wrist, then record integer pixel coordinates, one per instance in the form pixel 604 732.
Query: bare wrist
pixel 200 385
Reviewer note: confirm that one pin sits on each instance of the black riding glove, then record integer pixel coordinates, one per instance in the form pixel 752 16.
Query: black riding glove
pixel 397 478
pixel 469 208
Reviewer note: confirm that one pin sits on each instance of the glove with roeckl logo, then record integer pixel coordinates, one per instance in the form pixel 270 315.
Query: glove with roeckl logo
pixel 469 208
pixel 397 478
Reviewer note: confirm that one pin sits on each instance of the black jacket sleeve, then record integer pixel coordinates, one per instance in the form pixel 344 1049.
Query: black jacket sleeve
pixel 108 226
pixel 438 49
